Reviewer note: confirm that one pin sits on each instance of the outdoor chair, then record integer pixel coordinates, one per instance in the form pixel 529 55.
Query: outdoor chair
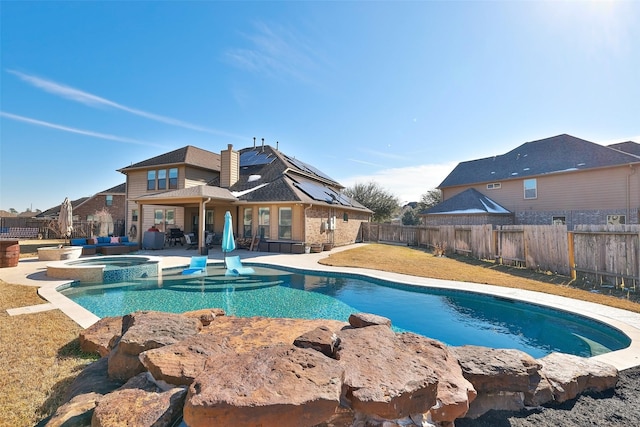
pixel 235 268
pixel 190 240
pixel 198 266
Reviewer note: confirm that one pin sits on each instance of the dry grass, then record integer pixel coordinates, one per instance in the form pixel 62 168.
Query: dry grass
pixel 40 357
pixel 418 262
pixel 40 354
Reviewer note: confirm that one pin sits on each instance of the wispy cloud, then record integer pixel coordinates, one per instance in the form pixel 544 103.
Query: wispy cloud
pixel 77 131
pixel 408 183
pixel 275 51
pixel 365 163
pixel 383 154
pixel 92 100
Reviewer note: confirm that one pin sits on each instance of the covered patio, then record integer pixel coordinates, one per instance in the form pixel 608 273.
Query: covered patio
pixel 197 198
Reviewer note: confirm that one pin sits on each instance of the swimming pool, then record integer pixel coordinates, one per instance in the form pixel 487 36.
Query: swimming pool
pixel 454 317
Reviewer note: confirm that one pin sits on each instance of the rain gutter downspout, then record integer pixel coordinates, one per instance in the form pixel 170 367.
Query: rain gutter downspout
pixel 633 171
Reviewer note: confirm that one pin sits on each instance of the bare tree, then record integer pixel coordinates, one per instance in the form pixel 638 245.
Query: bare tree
pixel 373 196
pixel 429 199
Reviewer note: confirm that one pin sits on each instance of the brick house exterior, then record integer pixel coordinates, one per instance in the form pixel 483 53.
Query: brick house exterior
pixel 557 180
pixel 270 195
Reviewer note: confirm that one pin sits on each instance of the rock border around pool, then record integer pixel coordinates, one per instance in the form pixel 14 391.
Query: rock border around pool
pixel 212 369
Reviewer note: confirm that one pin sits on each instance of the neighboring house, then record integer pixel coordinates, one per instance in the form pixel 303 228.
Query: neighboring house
pixel 84 209
pixel 557 180
pixel 269 194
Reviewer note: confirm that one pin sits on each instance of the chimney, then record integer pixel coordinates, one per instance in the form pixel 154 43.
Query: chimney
pixel 229 167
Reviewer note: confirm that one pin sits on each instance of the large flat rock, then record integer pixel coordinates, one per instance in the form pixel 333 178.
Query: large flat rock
pixel 381 377
pixel 276 386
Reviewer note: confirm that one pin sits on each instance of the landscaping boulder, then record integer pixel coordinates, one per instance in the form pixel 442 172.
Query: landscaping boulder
pixel 205 315
pixel 571 375
pixel 180 363
pixel 75 413
pixel 320 339
pixel 146 330
pixel 502 378
pixel 381 377
pixel 100 337
pixel 141 403
pixel 279 385
pixel 454 392
pixel 244 334
pixel 362 320
pixel 94 378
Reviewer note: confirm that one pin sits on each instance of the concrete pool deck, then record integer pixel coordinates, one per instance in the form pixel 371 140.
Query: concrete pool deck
pixel 32 272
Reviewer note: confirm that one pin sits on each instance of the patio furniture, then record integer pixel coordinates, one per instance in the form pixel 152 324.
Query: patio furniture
pixel 198 265
pixel 175 236
pixel 191 240
pixel 235 268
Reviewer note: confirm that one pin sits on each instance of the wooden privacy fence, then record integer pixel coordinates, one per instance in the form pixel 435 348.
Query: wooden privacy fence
pixel 595 253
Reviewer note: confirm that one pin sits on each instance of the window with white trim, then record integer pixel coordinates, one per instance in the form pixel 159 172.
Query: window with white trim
pixel 494 186
pixel 263 222
pixel 284 223
pixel 531 188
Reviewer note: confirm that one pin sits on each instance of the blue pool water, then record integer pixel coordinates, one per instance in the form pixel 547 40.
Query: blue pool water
pixel 454 317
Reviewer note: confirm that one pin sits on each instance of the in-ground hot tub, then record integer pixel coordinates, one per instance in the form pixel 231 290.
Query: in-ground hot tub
pixel 105 269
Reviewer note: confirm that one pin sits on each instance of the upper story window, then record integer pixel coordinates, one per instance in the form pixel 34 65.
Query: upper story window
pixel 531 188
pixel 494 186
pixel 173 178
pixel 109 200
pixel 162 179
pixel 151 180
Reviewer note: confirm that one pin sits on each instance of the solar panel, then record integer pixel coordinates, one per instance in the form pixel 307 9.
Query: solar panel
pixel 307 168
pixel 255 158
pixel 324 194
pixel 315 191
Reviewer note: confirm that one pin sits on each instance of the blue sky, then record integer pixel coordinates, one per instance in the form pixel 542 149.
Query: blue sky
pixel 392 92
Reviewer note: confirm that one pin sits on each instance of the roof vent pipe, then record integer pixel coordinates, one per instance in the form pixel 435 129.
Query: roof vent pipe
pixel 254 142
pixel 277 145
pixel 263 145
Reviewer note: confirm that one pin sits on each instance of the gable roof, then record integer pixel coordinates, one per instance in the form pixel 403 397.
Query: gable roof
pixel 190 155
pixel 470 201
pixel 267 174
pixel 551 155
pixel 628 147
pixel 118 189
pixel 55 211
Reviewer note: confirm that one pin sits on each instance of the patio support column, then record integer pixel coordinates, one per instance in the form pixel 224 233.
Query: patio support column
pixel 201 226
pixel 140 222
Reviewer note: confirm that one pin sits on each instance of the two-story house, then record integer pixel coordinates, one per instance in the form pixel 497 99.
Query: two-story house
pixel 111 201
pixel 557 180
pixel 269 194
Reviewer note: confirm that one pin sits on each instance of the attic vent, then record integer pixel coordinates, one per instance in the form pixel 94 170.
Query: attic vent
pixel 514 173
pixel 525 169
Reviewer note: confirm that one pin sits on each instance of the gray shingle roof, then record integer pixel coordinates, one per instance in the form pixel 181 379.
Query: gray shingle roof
pixel 275 181
pixel 189 155
pixel 628 147
pixel 467 202
pixel 556 154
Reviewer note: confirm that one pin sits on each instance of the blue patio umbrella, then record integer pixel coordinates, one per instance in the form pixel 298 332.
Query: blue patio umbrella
pixel 228 241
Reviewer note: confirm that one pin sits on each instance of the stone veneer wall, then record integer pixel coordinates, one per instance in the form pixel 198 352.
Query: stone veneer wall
pixel 573 218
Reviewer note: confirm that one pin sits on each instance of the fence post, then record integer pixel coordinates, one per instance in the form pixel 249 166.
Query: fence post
pixel 572 255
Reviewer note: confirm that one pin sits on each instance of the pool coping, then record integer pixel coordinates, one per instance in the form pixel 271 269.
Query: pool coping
pixel 625 321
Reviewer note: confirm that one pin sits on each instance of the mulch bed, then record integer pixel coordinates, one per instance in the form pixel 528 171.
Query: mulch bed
pixel 618 407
